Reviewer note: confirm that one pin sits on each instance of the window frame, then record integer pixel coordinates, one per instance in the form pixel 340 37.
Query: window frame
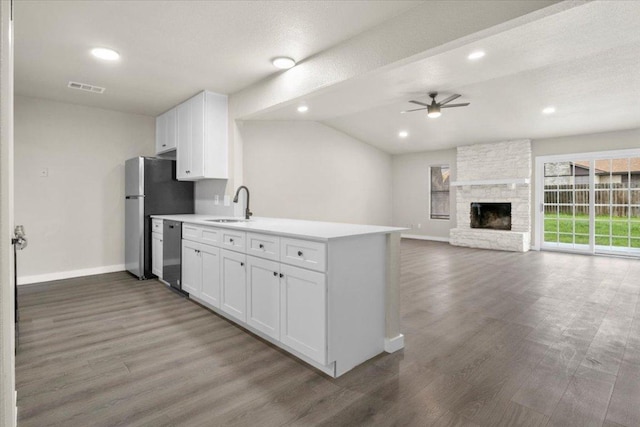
pixel 432 191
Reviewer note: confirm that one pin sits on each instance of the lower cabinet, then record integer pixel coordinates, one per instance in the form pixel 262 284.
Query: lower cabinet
pixel 233 298
pixel 201 271
pixel 156 254
pixel 303 312
pixel 263 296
pixel 210 257
pixel 191 268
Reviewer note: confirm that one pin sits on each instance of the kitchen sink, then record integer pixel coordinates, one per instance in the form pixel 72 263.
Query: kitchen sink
pixel 226 220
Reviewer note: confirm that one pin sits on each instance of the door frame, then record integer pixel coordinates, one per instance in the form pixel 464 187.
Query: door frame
pixel 8 410
pixel 539 191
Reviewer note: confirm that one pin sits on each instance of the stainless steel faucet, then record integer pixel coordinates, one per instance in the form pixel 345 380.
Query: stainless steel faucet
pixel 247 212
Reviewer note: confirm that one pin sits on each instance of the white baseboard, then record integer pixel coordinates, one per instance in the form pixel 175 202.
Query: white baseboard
pixel 38 278
pixel 422 237
pixel 391 345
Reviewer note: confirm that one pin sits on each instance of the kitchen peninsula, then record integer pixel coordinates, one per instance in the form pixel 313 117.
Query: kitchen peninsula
pixel 325 292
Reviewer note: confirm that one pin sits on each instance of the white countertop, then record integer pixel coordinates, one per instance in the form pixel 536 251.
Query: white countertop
pixel 314 230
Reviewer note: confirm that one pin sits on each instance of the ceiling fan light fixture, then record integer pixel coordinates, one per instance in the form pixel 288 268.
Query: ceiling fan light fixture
pixel 283 62
pixel 549 110
pixel 403 134
pixel 303 109
pixel 433 111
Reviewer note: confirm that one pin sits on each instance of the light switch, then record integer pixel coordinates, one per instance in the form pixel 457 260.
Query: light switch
pixel 216 200
pixel 44 173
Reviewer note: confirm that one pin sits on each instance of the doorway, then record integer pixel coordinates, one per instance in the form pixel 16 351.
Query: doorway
pixel 589 203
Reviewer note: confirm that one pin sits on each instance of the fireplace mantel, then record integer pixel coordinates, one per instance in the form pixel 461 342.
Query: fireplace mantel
pixel 513 181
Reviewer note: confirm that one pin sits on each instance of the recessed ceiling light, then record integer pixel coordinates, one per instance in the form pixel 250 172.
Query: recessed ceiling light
pixel 476 55
pixel 283 62
pixel 106 54
pixel 403 134
pixel 303 109
pixel 549 110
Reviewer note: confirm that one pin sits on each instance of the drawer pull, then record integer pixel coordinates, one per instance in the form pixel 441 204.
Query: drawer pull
pixel 261 246
pixel 275 273
pixel 299 253
pixel 281 275
pixel 242 264
pixel 230 240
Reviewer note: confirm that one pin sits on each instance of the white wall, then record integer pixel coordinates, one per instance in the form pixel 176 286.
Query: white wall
pixel 306 170
pixel 411 193
pixel 74 218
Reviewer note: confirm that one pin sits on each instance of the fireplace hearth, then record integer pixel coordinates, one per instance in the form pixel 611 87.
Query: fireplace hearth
pixel 492 216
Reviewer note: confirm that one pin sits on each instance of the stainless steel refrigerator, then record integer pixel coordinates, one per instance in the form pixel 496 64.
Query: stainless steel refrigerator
pixel 151 188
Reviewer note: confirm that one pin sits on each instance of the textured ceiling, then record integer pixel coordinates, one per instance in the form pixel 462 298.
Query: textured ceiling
pixel 173 49
pixel 585 61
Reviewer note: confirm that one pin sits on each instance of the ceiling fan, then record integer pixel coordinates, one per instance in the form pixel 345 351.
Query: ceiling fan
pixel 433 109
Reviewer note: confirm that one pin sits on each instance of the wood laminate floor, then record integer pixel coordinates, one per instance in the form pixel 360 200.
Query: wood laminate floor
pixel 492 339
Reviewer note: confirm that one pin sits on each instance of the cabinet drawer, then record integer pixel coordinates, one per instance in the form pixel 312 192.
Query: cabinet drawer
pixel 234 240
pixel 263 246
pixel 211 236
pixel 156 225
pixel 303 253
pixel 191 232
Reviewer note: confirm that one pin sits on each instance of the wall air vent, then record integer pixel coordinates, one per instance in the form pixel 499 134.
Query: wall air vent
pixel 85 87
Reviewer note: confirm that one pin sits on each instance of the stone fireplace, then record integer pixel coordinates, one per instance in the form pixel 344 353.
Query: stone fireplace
pixel 493 196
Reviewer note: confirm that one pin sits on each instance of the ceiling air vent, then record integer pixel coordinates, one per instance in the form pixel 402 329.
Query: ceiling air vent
pixel 85 87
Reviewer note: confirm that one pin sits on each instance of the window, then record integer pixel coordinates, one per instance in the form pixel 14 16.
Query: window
pixel 439 192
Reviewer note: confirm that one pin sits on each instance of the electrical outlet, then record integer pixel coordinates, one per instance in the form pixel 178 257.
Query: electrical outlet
pixel 419 225
pixel 216 200
pixel 44 173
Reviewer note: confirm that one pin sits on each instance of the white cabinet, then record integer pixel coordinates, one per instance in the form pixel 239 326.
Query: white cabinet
pixel 233 298
pixel 263 296
pixel 321 301
pixel 210 257
pixel 166 131
pixel 201 271
pixel 191 268
pixel 156 254
pixel 202 141
pixel 303 312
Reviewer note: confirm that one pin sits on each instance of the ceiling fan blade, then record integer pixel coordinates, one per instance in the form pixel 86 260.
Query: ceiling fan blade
pixel 409 111
pixel 455 105
pixel 419 103
pixel 449 99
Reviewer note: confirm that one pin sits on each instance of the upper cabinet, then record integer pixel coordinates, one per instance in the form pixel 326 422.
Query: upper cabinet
pixel 202 142
pixel 166 131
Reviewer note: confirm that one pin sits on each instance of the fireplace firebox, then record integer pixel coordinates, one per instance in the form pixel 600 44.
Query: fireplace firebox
pixel 494 216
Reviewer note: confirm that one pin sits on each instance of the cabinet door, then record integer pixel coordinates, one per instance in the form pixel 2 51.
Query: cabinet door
pixel 197 135
pixel 210 256
pixel 156 254
pixel 183 134
pixel 161 133
pixel 233 297
pixel 263 296
pixel 303 306
pixel 191 268
pixel 171 129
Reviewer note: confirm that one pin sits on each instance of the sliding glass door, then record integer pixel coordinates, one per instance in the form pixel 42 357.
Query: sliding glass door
pixel 590 202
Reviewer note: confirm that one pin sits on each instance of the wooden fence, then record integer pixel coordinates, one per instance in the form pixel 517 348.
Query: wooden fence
pixel 610 199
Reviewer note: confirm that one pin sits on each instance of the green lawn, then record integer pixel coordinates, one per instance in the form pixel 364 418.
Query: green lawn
pixel 615 231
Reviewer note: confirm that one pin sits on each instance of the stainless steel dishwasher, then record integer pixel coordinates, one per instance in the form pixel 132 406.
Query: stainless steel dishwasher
pixel 172 254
